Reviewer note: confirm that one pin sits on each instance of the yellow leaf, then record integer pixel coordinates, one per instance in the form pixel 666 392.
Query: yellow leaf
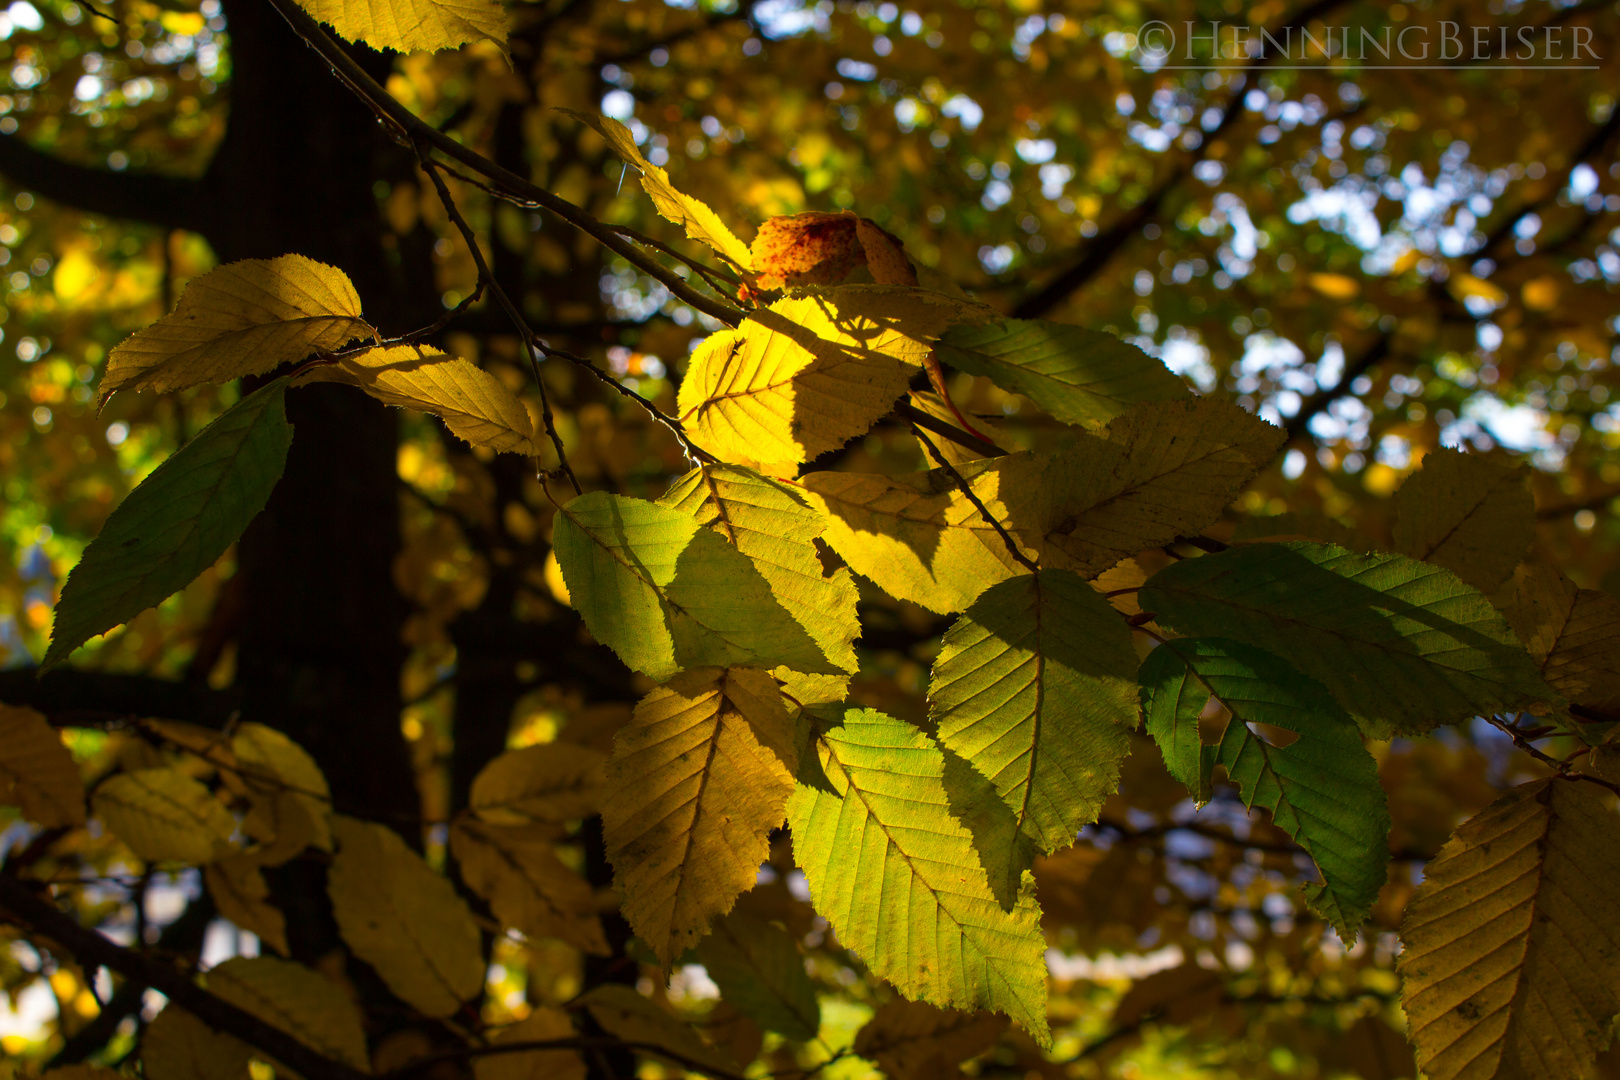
pixel 1335 286
pixel 1165 469
pixel 810 373
pixel 403 919
pixel 1539 294
pixel 697 781
pixel 1573 634
pixel 813 248
pixel 527 886
pixel 918 537
pixel 1511 946
pixel 239 890
pixel 283 826
pixel 164 814
pixel 954 452
pixel 408 25
pixel 475 405
pixel 1469 287
pixel 627 1015
pixel 885 254
pixel 36 771
pixel 273 766
pixel 695 216
pixel 178 1046
pixel 772 524
pixel 301 1002
pixel 554 782
pixel 244 318
pixel 1472 516
pixel 540 1025
pixel 913 1040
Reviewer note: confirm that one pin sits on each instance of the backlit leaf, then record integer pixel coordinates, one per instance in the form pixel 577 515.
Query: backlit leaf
pixel 697 781
pixel 37 773
pixel 1079 376
pixel 1473 516
pixel 243 318
pixel 1321 789
pixel 1572 633
pixel 772 524
pixel 403 919
pixel 913 1040
pixel 163 814
pixel 177 522
pixel 475 405
pixel 696 217
pixel 528 887
pixel 242 895
pixel 917 537
pixel 1164 469
pixel 408 25
pixel 898 878
pixel 809 373
pixel 555 782
pixel 178 1046
pixel 812 248
pixel 1032 689
pixel 301 1002
pixel 761 973
pixel 1511 947
pixel 1402 645
pixel 540 1025
pixel 666 594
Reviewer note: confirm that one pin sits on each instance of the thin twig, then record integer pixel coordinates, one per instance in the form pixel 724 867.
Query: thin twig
pixel 984 511
pixel 531 344
pixel 413 132
pixel 1563 769
pixel 950 431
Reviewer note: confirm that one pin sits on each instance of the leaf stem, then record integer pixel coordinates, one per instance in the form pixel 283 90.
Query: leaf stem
pixel 984 511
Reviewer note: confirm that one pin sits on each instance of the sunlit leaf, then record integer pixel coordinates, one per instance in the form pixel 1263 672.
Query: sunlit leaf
pixel 773 524
pixel 697 781
pixel 243 318
pixel 408 25
pixel 177 522
pixel 898 878
pixel 667 594
pixel 1511 948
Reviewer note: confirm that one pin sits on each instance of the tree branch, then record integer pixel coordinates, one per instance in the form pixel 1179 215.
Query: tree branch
pixel 174 202
pixel 37 915
pixel 71 698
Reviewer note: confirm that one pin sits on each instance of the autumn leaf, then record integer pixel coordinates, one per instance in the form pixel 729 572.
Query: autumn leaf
pixel 408 25
pixel 897 876
pixel 1472 516
pixel 1570 633
pixel 809 373
pixel 697 781
pixel 243 318
pixel 528 887
pixel 37 773
pixel 301 1002
pixel 178 1046
pixel 760 972
pixel 403 919
pixel 1511 958
pixel 550 782
pixel 543 1024
pixel 627 1015
pixel 243 896
pixel 275 767
pixel 163 815
pixel 913 1040
pixel 812 248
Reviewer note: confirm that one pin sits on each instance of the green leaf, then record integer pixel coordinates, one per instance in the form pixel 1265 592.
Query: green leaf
pixel 1165 469
pixel 774 526
pixel 1510 959
pixel 1079 376
pixel 1403 646
pixel 1322 788
pixel 1472 516
pixel 177 522
pixel 1173 702
pixel 1032 689
pixel 899 880
pixel 759 970
pixel 666 594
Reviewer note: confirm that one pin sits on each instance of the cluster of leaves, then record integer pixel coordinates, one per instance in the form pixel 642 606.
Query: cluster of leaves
pixel 1085 604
